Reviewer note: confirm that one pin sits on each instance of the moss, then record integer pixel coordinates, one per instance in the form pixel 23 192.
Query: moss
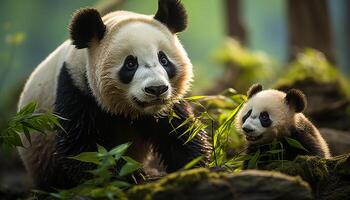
pixel 312 66
pixel 329 178
pixel 312 169
pixel 341 165
pixel 198 183
pixel 176 181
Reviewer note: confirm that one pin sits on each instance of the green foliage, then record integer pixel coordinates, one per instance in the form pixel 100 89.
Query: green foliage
pixel 274 154
pixel 105 183
pixel 295 143
pixel 192 163
pixel 252 67
pixel 313 65
pixel 216 115
pixel 16 38
pixel 25 122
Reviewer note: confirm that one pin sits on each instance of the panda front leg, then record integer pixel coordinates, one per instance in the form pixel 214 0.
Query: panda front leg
pixel 173 150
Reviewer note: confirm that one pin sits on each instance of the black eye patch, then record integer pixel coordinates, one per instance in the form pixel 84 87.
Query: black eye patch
pixel 128 69
pixel 265 120
pixel 167 65
pixel 245 117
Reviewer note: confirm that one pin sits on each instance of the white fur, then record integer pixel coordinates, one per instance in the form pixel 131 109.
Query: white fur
pixel 272 102
pixel 127 33
pixel 143 41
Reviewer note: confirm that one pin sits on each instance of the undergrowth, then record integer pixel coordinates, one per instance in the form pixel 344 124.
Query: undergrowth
pixel 216 114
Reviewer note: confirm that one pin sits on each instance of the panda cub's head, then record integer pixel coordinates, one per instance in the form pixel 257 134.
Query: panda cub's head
pixel 136 64
pixel 269 114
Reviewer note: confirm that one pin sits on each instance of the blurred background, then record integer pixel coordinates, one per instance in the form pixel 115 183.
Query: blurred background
pixel 232 44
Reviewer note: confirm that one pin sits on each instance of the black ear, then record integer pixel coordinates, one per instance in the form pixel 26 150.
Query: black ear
pixel 296 99
pixel 172 14
pixel 254 89
pixel 86 25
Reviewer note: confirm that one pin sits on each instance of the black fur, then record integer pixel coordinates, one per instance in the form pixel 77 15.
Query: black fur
pixel 172 14
pixel 296 99
pixel 304 134
pixel 126 73
pixel 245 117
pixel 86 25
pixel 88 124
pixel 170 67
pixel 265 120
pixel 254 89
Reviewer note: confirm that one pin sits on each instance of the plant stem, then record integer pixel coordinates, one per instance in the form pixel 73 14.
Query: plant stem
pixel 212 137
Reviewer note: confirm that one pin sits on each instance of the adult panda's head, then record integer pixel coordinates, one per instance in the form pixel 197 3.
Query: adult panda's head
pixel 269 114
pixel 136 64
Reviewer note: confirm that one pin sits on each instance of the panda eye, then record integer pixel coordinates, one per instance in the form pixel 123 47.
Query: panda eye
pixel 163 60
pixel 264 116
pixel 131 63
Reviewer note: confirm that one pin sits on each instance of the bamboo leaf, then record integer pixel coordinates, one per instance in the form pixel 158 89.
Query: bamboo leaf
pixel 295 143
pixel 101 149
pixel 90 157
pixel 119 150
pixel 254 160
pixel 275 151
pixel 130 166
pixel 195 98
pixel 193 163
pixel 28 109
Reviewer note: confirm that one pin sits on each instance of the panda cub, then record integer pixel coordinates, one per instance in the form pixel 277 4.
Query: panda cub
pixel 272 114
pixel 116 80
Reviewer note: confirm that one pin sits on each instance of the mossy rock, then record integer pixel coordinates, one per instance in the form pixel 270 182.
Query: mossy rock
pixel 206 185
pixel 329 178
pixel 327 106
pixel 327 90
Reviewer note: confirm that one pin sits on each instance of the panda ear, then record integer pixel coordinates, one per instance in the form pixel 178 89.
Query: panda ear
pixel 85 26
pixel 172 14
pixel 254 89
pixel 296 100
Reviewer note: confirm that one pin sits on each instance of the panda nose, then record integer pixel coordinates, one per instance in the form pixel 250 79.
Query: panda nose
pixel 156 90
pixel 247 130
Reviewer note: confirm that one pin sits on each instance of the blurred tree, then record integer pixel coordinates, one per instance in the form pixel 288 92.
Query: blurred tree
pixel 234 22
pixel 236 30
pixel 309 26
pixel 106 6
pixel 347 39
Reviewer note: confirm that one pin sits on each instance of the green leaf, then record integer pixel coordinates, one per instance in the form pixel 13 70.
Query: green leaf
pixel 28 109
pixel 129 167
pixel 90 157
pixel 130 160
pixel 120 184
pixel 295 143
pixel 275 151
pixel 181 125
pixel 101 149
pixel 254 160
pixel 192 163
pixel 196 131
pixel 119 150
pixel 14 139
pixel 27 134
pixel 195 98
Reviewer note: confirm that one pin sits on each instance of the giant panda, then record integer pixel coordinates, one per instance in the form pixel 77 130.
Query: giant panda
pixel 272 114
pixel 115 81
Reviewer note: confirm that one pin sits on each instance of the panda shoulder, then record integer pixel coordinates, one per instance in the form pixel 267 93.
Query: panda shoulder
pixel 304 125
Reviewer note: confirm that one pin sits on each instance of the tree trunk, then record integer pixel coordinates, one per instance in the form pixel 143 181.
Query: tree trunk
pixel 236 30
pixel 309 26
pixel 234 24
